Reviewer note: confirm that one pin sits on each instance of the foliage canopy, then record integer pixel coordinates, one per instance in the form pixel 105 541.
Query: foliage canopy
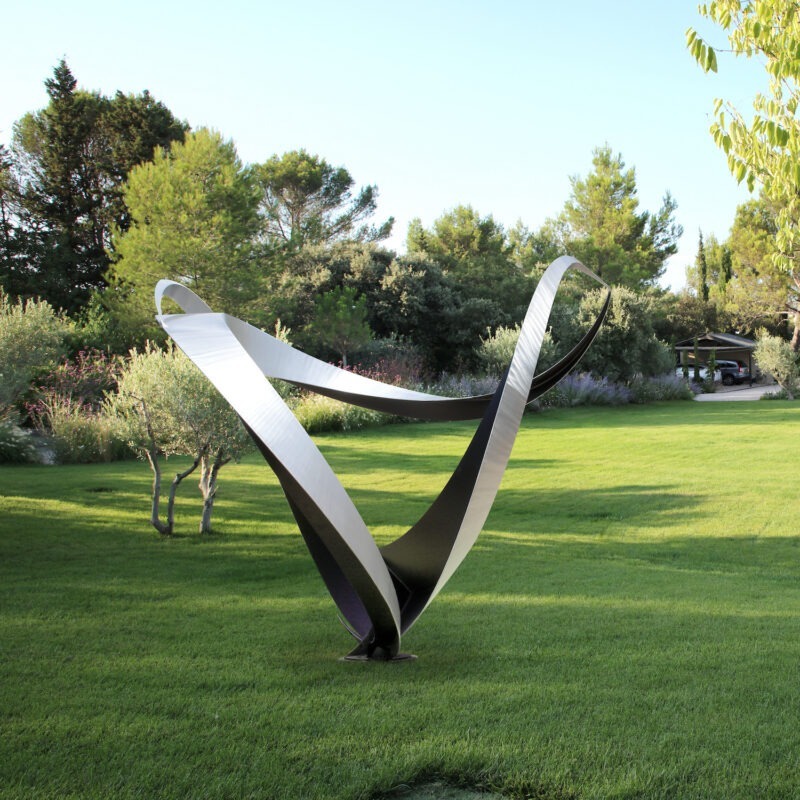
pixel 763 148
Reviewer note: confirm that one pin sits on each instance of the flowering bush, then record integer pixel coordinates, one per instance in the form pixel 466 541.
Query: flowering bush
pixel 82 381
pixel 392 361
pixel 582 389
pixel 67 408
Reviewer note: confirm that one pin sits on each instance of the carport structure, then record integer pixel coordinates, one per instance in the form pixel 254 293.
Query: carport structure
pixel 726 346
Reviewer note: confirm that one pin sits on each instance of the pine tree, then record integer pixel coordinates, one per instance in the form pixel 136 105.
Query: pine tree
pixel 69 162
pixel 56 192
pixel 602 226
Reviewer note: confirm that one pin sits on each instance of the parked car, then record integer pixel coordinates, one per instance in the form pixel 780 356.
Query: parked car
pixel 728 372
pixel 703 370
pixel 733 372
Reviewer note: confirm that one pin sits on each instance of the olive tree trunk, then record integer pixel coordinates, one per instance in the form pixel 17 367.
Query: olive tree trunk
pixel 151 452
pixel 173 489
pixel 209 470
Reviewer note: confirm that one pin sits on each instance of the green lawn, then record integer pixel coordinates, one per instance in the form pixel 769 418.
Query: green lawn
pixel 628 625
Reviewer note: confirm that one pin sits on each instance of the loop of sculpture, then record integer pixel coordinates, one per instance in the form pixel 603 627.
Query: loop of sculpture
pixel 380 592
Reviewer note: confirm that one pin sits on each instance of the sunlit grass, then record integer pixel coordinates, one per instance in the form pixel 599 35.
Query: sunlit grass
pixel 627 626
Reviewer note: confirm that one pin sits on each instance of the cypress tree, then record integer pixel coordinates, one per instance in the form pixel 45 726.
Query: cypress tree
pixel 702 269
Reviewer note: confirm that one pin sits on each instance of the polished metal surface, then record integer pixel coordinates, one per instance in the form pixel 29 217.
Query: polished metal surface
pixel 380 592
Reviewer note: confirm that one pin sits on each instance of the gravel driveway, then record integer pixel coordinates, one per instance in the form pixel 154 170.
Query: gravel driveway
pixel 743 392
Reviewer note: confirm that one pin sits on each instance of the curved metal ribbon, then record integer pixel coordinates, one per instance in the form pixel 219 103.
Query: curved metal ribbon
pixel 380 592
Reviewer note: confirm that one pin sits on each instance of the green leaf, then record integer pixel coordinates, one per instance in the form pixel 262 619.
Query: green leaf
pixel 771 136
pixel 711 60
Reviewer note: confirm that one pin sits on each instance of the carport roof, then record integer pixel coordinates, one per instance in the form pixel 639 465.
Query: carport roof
pixel 717 341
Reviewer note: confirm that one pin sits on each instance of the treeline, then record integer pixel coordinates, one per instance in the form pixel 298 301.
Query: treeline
pixel 102 196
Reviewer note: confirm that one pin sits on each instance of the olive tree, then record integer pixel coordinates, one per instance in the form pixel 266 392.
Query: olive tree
pixel 166 406
pixel 777 357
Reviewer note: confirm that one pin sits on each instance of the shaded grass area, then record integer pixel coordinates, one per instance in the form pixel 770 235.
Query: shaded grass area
pixel 627 626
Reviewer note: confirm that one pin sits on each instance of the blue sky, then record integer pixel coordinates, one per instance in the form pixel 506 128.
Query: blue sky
pixel 439 103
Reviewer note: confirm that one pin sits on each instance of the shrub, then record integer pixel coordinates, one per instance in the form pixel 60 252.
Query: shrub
pixel 320 414
pixel 16 446
pixel 781 394
pixel 584 389
pixel 31 339
pixel 392 361
pixel 495 352
pixel 776 357
pixel 664 387
pixel 463 385
pixel 626 345
pixel 80 435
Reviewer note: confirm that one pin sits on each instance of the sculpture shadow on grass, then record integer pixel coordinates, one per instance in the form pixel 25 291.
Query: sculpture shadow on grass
pixel 380 592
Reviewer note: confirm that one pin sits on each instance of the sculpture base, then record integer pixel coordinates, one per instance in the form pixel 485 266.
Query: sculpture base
pixel 364 657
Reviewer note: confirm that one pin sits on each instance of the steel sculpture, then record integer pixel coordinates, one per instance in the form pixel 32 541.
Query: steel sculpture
pixel 380 592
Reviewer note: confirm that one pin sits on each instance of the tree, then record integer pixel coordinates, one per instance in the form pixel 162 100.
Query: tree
pixel 763 149
pixel 59 182
pixel 702 270
pixel 777 357
pixel 165 405
pixel 69 161
pixel 459 239
pixel 601 225
pixel 680 316
pixel 532 251
pixel 305 200
pixel 418 302
pixel 474 253
pixel 10 244
pixel 726 269
pixel 132 127
pixel 626 345
pixel 340 322
pixel 756 292
pixel 194 218
pixel 708 279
